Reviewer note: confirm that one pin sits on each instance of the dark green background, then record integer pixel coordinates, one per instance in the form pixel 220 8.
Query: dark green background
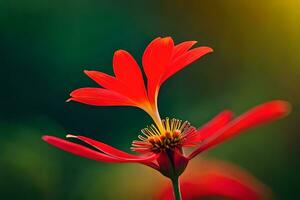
pixel 45 46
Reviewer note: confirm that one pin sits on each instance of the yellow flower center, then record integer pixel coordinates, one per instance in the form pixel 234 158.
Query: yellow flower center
pixel 173 135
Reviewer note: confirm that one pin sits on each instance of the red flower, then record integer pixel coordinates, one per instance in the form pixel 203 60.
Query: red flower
pixel 160 145
pixel 213 178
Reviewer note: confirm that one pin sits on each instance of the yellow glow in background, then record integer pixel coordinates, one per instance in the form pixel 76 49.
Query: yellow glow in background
pixel 45 46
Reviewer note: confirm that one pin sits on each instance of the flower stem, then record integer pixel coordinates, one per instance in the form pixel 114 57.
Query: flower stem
pixel 176 188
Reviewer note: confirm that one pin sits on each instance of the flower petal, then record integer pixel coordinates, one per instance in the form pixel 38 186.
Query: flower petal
pixel 129 73
pixel 182 48
pixel 92 154
pixel 182 61
pixel 79 149
pixel 258 115
pixel 104 80
pixel 113 84
pixel 155 59
pixel 212 126
pixel 100 97
pixel 215 124
pixel 109 150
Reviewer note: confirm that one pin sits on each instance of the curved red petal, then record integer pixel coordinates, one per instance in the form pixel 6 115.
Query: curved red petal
pixel 146 59
pixel 182 61
pixel 182 48
pixel 92 154
pixel 155 59
pixel 258 115
pixel 129 73
pixel 211 127
pixel 100 97
pixel 78 150
pixel 111 83
pixel 104 80
pixel 109 150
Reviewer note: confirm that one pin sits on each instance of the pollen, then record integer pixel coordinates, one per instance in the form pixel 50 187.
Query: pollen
pixel 173 135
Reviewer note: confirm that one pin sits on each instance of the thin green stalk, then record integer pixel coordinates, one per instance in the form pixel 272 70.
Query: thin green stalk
pixel 176 188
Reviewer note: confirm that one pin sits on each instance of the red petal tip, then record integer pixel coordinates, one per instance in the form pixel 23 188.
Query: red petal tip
pixel 209 49
pixel 166 39
pixel 283 107
pixel 119 51
pixel 46 137
pixel 86 71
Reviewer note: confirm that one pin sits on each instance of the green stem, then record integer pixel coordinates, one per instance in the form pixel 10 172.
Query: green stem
pixel 176 188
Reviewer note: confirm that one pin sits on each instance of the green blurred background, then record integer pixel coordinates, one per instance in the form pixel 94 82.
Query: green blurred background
pixel 45 46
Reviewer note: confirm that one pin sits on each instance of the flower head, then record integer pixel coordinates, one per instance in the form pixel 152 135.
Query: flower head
pixel 161 144
pixel 176 134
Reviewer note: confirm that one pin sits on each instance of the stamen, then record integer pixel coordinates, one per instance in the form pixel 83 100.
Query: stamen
pixel 174 134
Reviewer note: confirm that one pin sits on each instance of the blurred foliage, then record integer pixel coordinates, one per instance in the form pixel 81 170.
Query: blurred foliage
pixel 45 45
